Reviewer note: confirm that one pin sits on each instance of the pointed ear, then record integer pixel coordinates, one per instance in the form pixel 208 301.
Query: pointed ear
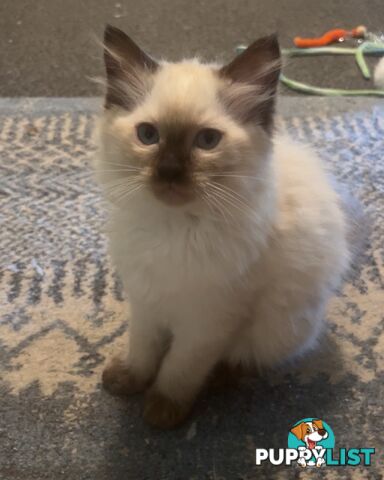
pixel 128 69
pixel 298 431
pixel 253 77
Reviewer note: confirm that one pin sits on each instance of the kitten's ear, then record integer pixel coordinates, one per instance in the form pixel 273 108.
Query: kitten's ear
pixel 254 75
pixel 127 68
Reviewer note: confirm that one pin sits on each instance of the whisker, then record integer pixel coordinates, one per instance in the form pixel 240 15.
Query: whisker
pixel 233 202
pixel 126 193
pixel 219 172
pixel 216 204
pixel 130 193
pixel 206 200
pixel 130 167
pixel 120 181
pixel 116 170
pixel 117 185
pixel 121 192
pixel 236 197
pixel 92 171
pixel 231 191
pixel 236 176
pixel 228 202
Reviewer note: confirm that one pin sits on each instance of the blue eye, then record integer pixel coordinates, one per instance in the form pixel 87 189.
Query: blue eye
pixel 208 138
pixel 147 133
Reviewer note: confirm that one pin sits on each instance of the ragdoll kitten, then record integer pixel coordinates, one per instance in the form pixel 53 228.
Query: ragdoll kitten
pixel 228 237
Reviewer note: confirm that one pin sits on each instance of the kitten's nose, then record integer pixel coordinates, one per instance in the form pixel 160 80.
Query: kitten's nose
pixel 170 169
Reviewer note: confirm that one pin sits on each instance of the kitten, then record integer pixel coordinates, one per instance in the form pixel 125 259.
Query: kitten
pixel 228 237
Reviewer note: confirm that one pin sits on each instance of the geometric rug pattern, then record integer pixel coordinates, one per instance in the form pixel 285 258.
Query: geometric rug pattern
pixel 62 314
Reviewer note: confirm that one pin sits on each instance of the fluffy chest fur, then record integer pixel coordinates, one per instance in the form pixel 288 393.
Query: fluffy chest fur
pixel 162 253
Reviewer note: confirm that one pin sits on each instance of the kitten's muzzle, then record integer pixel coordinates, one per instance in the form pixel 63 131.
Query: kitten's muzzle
pixel 170 181
pixel 173 193
pixel 170 169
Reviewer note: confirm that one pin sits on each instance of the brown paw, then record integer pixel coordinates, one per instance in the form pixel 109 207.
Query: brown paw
pixel 163 412
pixel 119 379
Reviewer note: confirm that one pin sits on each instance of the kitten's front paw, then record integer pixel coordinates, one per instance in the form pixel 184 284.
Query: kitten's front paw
pixel 119 379
pixel 163 412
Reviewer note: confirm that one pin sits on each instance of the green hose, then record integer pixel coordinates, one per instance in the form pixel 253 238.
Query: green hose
pixel 312 90
pixel 366 48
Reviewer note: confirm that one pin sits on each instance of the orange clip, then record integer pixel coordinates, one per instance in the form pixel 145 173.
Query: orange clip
pixel 330 37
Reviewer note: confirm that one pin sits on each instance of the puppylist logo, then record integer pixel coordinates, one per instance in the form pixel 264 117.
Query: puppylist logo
pixel 311 438
pixel 311 443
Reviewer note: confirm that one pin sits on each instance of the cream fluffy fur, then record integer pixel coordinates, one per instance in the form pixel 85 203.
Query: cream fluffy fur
pixel 250 288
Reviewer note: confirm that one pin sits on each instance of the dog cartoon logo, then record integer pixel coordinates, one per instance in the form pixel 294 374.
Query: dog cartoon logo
pixel 311 443
pixel 310 436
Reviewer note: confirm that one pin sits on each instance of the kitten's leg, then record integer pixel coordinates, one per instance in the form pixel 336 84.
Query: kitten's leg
pixel 184 370
pixel 132 372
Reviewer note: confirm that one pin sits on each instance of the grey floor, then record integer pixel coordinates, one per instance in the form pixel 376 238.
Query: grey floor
pixel 49 47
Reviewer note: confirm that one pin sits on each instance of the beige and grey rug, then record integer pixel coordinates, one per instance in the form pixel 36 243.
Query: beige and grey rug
pixel 62 314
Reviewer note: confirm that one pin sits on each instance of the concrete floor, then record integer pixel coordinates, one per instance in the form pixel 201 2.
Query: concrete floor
pixel 49 47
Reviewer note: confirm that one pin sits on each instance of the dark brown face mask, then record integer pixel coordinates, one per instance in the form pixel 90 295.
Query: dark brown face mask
pixel 172 164
pixel 173 159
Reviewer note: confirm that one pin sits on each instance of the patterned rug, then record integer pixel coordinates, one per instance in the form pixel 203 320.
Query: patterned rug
pixel 63 315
